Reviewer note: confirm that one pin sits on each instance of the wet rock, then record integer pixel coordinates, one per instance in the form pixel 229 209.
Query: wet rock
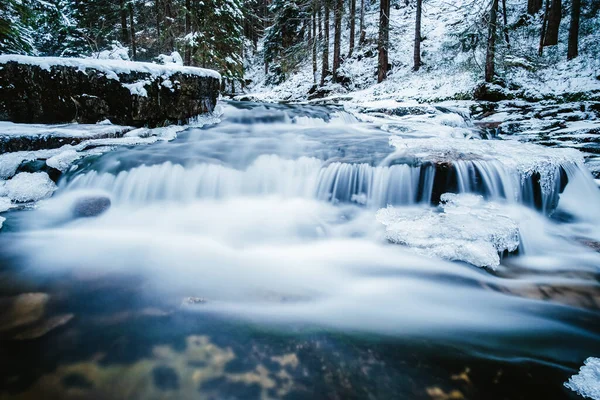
pixel 87 207
pixel 60 93
pixel 22 310
pixel 43 327
pixel 40 166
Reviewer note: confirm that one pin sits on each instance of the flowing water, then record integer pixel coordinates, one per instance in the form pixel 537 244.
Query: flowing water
pixel 245 260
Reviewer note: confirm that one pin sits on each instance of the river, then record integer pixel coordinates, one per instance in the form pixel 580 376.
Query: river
pixel 248 259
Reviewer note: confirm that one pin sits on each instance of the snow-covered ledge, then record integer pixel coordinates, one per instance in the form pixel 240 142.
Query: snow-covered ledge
pixel 55 90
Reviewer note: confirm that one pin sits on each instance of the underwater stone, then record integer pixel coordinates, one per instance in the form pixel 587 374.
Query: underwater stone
pixel 87 207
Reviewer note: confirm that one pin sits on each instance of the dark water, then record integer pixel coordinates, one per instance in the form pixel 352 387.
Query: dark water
pixel 243 260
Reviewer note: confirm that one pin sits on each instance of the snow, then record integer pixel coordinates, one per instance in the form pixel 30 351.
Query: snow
pixel 452 67
pixel 5 204
pixel 11 129
pixel 587 382
pixel 27 187
pixel 2 219
pixel 138 88
pixel 524 158
pixel 465 228
pixel 111 68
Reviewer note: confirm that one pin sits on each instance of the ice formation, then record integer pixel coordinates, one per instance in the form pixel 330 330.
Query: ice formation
pixel 26 187
pixel 465 228
pixel 526 159
pixel 587 381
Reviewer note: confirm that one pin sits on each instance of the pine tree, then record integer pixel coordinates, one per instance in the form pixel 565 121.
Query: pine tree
pixel 573 47
pixel 337 45
pixel 384 39
pixel 554 18
pixel 417 49
pixel 534 6
pixel 491 43
pixel 16 33
pixel 352 26
pixel 325 65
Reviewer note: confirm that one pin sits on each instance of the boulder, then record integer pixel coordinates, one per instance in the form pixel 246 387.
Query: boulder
pixel 59 90
pixel 91 206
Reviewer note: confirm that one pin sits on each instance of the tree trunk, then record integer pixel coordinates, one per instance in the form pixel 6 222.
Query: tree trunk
pixel 554 17
pixel 132 26
pixel 417 55
pixel 544 26
pixel 534 6
pixel 384 39
pixel 505 25
pixel 363 33
pixel 158 18
pixel 319 20
pixel 352 26
pixel 325 70
pixel 491 46
pixel 124 30
pixel 573 50
pixel 337 49
pixel 188 25
pixel 314 40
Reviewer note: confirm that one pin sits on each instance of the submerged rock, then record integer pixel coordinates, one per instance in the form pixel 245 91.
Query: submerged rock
pixel 92 206
pixel 22 310
pixel 55 90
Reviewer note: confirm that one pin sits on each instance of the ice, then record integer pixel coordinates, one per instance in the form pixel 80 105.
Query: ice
pixel 465 228
pixel 9 162
pixel 12 129
pixel 2 219
pixel 524 158
pixel 26 187
pixel 63 160
pixel 5 204
pixel 587 382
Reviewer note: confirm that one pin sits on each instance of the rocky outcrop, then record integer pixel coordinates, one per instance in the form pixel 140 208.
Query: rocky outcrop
pixel 58 90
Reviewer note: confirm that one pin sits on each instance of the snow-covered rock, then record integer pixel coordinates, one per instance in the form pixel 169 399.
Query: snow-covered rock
pixel 465 228
pixel 587 382
pixel 27 187
pixel 54 90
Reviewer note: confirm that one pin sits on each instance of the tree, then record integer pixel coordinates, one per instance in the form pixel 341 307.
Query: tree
pixel 384 40
pixel 315 6
pixel 417 55
pixel 325 67
pixel 132 27
pixel 491 43
pixel 363 33
pixel 534 6
pixel 573 46
pixel 337 46
pixel 553 24
pixel 352 26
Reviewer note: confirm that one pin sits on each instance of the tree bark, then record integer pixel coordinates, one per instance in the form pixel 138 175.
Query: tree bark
pixel 337 45
pixel 352 26
pixel 544 26
pixel 534 6
pixel 490 66
pixel 384 39
pixel 417 55
pixel 363 33
pixel 573 47
pixel 158 18
pixel 132 26
pixel 505 25
pixel 314 40
pixel 554 18
pixel 124 30
pixel 188 24
pixel 325 69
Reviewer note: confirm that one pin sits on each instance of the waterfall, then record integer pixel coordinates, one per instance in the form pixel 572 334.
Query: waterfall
pixel 268 175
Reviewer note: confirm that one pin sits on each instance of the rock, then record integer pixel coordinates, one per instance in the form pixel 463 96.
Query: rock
pixel 22 310
pixel 92 206
pixel 43 327
pixel 491 92
pixel 58 90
